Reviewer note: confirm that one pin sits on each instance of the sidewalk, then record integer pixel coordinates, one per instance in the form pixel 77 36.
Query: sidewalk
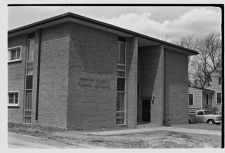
pixel 156 128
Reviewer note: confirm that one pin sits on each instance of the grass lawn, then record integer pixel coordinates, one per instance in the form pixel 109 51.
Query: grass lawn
pixel 154 139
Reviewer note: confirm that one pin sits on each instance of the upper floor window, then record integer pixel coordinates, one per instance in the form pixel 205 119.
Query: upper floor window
pixel 13 99
pixel 218 98
pixel 121 50
pixel 219 80
pixel 191 101
pixel 14 53
pixel 29 71
pixel 29 79
pixel 30 51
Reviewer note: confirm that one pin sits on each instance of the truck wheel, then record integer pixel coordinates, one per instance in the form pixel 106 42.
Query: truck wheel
pixel 210 122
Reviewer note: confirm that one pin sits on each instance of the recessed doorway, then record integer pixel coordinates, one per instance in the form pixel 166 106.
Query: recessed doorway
pixel 146 110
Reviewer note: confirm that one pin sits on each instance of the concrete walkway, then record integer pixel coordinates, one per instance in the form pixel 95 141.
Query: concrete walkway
pixel 155 128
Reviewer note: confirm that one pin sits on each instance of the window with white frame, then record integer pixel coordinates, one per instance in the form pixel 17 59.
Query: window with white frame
pixel 14 53
pixel 13 99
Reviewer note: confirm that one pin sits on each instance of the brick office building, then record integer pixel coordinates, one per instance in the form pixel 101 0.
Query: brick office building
pixel 73 72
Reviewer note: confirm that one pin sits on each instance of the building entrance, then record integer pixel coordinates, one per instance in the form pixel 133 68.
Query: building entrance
pixel 146 110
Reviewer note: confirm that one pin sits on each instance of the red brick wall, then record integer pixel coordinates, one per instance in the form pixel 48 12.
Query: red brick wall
pixel 176 69
pixel 92 62
pixel 16 78
pixel 54 66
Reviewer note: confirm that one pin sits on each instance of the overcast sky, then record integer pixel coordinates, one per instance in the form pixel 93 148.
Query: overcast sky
pixel 169 23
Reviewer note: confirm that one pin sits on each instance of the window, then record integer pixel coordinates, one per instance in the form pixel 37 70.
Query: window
pixel 200 113
pixel 30 51
pixel 218 98
pixel 219 80
pixel 28 101
pixel 120 113
pixel 121 52
pixel 14 54
pixel 120 107
pixel 28 107
pixel 208 112
pixel 120 73
pixel 207 99
pixel 29 81
pixel 29 71
pixel 120 84
pixel 13 99
pixel 191 99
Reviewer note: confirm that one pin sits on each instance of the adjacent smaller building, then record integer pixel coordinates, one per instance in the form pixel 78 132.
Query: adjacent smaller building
pixel 208 98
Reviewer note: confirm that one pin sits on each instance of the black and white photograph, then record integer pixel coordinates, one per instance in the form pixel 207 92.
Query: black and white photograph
pixel 114 76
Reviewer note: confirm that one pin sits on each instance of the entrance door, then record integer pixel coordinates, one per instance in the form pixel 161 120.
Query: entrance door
pixel 146 106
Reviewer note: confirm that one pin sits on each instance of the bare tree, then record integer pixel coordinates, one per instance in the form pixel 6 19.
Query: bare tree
pixel 206 62
pixel 188 42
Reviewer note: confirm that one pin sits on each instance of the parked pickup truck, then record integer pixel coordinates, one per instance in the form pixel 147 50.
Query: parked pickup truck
pixel 204 116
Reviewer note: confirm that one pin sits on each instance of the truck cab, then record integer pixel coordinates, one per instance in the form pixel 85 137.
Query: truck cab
pixel 205 116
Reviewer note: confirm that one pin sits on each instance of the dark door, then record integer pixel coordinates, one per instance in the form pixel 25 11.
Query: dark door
pixel 146 106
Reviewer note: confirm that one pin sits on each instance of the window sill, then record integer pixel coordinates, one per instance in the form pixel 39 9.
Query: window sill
pixel 14 61
pixel 13 106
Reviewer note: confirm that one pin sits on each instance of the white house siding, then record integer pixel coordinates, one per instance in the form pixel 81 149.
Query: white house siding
pixel 197 98
pixel 217 89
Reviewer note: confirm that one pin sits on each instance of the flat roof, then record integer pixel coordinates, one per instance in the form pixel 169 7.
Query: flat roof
pixel 71 17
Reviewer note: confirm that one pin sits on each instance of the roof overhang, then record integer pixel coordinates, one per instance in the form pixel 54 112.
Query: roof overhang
pixel 205 90
pixel 70 17
pixel 208 91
